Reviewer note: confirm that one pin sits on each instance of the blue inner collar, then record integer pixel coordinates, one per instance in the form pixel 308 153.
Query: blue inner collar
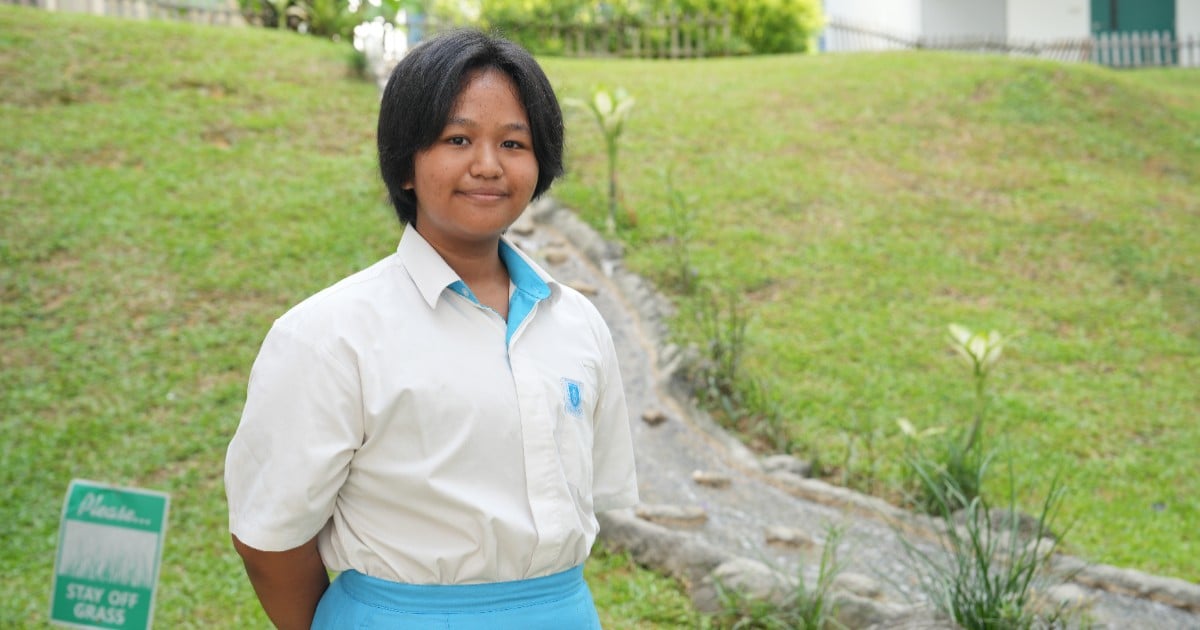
pixel 530 289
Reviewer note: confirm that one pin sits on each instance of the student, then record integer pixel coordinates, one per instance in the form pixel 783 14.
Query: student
pixel 441 427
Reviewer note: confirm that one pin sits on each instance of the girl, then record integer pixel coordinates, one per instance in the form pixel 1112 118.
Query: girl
pixel 441 427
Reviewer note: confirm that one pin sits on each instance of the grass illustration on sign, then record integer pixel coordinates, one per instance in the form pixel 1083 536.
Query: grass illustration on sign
pixel 109 552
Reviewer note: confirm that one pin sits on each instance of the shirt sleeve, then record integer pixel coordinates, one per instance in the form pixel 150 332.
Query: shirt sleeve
pixel 291 453
pixel 614 482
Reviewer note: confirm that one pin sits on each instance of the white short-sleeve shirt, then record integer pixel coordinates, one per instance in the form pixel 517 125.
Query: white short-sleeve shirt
pixel 426 440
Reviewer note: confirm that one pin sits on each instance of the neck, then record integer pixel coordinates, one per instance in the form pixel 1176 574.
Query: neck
pixel 476 262
pixel 480 267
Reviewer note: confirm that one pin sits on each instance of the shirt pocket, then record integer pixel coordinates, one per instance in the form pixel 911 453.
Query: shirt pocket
pixel 576 397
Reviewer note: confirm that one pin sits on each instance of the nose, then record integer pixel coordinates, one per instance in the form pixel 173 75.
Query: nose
pixel 486 162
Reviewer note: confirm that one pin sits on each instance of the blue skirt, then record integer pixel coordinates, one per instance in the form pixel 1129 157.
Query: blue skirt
pixel 556 601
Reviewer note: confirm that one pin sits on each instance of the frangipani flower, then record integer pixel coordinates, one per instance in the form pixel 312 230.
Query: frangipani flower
pixel 611 111
pixel 979 350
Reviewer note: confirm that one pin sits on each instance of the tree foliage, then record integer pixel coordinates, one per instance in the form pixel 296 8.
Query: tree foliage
pixel 758 26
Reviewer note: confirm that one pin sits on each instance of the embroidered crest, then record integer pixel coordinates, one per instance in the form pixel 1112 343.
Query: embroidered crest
pixel 573 397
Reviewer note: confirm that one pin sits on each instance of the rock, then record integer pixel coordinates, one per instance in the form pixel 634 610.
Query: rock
pixel 681 555
pixel 742 578
pixel 858 584
pixel 582 287
pixel 691 555
pixel 895 617
pixel 711 479
pixel 672 515
pixel 654 417
pixel 1006 521
pixel 855 611
pixel 1042 548
pixel 1167 590
pixel 1069 598
pixel 555 255
pixel 786 463
pixel 789 537
pixel 524 225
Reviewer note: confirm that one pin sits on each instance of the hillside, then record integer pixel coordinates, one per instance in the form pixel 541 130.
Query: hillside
pixel 861 203
pixel 167 190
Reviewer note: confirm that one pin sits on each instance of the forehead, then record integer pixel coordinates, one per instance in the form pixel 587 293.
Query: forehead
pixel 489 87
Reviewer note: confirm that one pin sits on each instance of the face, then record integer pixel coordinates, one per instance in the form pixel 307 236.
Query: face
pixel 479 175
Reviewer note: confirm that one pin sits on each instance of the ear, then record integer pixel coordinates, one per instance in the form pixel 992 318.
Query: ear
pixel 407 186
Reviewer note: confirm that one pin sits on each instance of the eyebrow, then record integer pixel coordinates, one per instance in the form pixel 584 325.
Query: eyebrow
pixel 467 122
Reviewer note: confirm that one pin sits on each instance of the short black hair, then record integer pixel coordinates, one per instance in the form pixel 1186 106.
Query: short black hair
pixel 423 89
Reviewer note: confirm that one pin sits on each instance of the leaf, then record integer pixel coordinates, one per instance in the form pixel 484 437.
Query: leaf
pixel 960 334
pixel 603 102
pixel 995 346
pixel 977 347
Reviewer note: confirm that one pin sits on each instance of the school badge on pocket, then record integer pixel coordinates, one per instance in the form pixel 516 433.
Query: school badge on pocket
pixel 572 397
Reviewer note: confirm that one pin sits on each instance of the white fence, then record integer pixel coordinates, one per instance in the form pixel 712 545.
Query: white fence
pixel 220 12
pixel 1122 50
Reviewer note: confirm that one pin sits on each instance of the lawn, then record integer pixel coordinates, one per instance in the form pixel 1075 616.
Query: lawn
pixel 859 204
pixel 166 191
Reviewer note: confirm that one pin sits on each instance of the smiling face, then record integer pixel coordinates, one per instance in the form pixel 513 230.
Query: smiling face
pixel 480 173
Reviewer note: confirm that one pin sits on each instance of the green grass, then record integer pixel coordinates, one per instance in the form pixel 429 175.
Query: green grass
pixel 166 191
pixel 863 202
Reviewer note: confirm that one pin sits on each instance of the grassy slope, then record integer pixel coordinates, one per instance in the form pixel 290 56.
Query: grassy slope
pixel 866 201
pixel 165 192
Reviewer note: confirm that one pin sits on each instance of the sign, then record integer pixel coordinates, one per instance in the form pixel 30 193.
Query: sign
pixel 110 546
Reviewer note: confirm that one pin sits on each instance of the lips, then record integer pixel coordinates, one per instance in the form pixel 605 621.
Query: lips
pixel 485 194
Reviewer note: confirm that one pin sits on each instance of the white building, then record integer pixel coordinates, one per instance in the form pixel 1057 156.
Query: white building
pixel 1015 20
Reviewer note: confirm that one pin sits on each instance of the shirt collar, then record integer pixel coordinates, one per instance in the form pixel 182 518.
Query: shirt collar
pixel 432 275
pixel 525 274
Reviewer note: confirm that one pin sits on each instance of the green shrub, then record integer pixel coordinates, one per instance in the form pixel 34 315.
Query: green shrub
pixel 610 110
pixel 986 571
pixel 767 26
pixel 529 22
pixel 951 474
pixel 680 219
pixel 777 26
pixel 958 462
pixel 806 609
pixel 756 26
pixel 330 19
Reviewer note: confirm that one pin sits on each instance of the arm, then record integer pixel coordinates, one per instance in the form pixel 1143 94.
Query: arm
pixel 614 483
pixel 285 467
pixel 288 583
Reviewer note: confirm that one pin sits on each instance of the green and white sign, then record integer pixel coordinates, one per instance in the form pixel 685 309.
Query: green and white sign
pixel 110 546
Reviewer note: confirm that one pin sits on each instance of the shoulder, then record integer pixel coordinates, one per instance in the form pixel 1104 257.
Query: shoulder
pixel 577 311
pixel 353 302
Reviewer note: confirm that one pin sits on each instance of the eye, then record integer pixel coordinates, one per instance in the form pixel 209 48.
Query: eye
pixel 457 141
pixel 512 144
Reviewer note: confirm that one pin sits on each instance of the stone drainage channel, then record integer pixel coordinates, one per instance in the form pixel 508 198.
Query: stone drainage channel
pixel 714 513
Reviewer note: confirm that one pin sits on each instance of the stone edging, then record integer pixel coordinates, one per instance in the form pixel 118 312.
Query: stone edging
pixel 684 556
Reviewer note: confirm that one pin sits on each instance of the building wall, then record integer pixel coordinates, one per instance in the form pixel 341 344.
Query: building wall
pixel 1187 18
pixel 1015 20
pixel 964 18
pixel 1049 20
pixel 900 17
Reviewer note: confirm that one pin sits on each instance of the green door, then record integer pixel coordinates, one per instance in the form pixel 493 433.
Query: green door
pixel 1135 16
pixel 1127 16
